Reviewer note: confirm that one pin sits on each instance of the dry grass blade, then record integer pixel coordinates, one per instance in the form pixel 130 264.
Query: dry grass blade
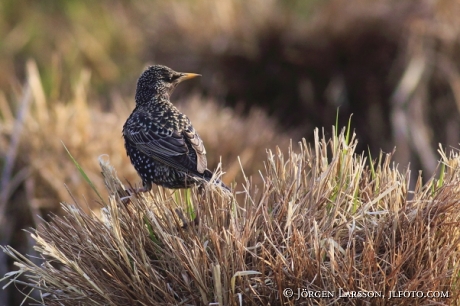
pixel 5 180
pixel 323 221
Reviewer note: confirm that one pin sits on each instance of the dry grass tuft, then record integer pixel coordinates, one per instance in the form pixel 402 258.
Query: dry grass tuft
pixel 322 220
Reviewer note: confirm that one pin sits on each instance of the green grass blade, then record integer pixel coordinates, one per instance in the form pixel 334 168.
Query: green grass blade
pixel 82 172
pixel 371 163
pixel 441 175
pixel 188 201
pixel 337 123
pixel 347 138
pixel 152 235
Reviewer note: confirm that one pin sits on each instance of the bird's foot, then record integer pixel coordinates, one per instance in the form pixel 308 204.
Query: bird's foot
pixel 201 190
pixel 133 191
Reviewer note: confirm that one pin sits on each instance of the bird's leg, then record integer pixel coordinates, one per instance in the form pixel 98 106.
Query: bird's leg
pixel 196 220
pixel 201 190
pixel 185 222
pixel 146 187
pixel 181 216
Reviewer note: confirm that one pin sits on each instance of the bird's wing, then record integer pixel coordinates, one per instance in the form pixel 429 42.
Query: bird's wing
pixel 168 146
pixel 192 137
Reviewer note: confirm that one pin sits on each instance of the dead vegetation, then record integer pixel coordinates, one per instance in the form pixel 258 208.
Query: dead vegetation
pixel 393 64
pixel 40 173
pixel 321 220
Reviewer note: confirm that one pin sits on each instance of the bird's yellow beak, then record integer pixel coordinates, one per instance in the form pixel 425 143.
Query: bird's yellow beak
pixel 187 76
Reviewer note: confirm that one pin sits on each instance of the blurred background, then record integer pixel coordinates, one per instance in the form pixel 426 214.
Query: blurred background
pixel 273 70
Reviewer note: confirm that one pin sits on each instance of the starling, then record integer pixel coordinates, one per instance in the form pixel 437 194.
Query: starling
pixel 161 142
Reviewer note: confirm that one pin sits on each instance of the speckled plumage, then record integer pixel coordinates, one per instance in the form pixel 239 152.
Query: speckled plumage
pixel 161 142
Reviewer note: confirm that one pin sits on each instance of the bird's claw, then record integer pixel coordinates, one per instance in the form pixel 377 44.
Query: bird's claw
pixel 132 192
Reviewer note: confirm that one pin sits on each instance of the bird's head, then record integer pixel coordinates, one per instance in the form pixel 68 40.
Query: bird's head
pixel 158 80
